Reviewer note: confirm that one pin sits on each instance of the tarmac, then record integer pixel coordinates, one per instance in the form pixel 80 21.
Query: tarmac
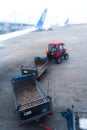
pixel 66 83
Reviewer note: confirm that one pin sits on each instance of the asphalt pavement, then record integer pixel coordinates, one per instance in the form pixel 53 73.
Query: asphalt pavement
pixel 66 83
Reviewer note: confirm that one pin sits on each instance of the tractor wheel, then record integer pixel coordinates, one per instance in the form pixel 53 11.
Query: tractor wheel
pixel 66 56
pixel 59 60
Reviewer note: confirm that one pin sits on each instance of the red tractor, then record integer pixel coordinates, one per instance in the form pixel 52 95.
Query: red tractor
pixel 57 52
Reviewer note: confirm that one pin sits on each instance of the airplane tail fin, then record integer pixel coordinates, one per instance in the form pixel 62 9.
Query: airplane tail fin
pixel 67 21
pixel 41 20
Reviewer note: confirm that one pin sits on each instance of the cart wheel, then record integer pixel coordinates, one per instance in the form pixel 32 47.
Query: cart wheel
pixel 59 60
pixel 21 125
pixel 51 113
pixel 38 78
pixel 66 56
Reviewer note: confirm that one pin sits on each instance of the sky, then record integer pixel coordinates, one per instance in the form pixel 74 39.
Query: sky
pixel 29 11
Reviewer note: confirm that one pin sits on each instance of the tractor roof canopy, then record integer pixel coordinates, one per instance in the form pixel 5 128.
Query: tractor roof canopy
pixel 56 43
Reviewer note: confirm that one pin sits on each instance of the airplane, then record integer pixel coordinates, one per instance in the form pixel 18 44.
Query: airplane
pixel 56 26
pixel 6 27
pixel 38 26
pixel 66 22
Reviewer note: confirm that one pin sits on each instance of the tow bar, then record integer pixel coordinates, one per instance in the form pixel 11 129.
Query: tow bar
pixel 43 126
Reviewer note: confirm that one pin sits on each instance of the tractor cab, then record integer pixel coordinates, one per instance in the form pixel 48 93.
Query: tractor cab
pixel 57 51
pixel 56 47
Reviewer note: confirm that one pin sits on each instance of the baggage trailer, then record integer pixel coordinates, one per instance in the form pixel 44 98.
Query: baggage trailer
pixel 40 66
pixel 75 120
pixel 31 102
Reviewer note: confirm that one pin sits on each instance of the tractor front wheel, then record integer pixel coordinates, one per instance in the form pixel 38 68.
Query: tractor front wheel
pixel 66 56
pixel 59 60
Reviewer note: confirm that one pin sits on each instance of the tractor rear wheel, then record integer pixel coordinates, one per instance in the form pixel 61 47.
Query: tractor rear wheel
pixel 59 60
pixel 66 56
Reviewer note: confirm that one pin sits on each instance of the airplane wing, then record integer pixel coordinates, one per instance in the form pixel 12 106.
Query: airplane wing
pixel 18 33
